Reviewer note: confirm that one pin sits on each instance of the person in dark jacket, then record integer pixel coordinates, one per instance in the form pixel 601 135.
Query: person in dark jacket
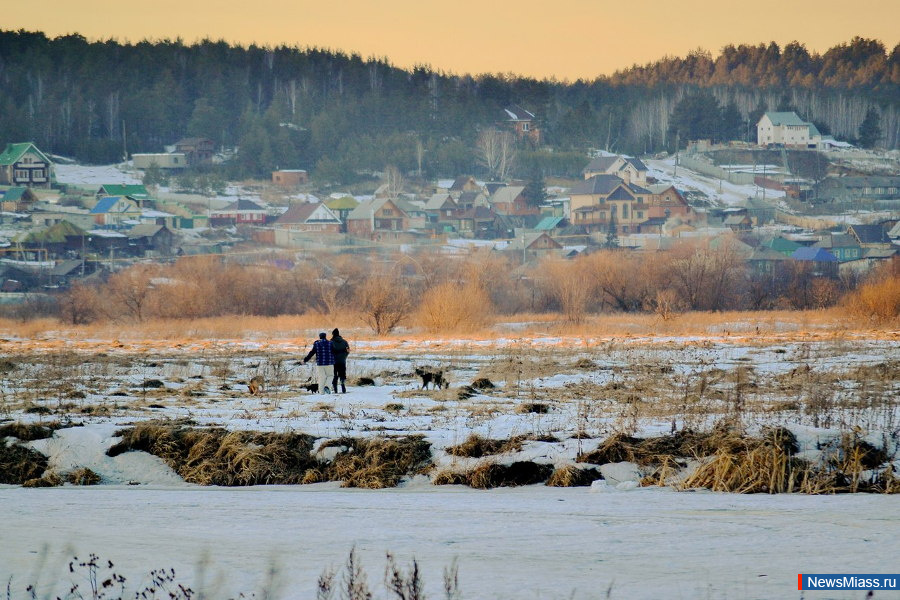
pixel 340 349
pixel 324 362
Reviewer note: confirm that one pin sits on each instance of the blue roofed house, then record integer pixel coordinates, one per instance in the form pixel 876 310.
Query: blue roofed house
pixel 24 165
pixel 112 211
pixel 824 263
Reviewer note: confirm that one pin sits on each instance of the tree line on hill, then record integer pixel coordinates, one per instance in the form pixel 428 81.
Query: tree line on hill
pixel 339 114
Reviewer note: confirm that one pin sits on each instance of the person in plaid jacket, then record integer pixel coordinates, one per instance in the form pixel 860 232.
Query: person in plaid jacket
pixel 324 362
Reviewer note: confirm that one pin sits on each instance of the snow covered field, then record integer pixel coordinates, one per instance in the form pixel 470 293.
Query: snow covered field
pixel 520 543
pixel 526 542
pixel 722 192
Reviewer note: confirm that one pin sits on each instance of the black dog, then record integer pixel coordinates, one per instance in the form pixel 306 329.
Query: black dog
pixel 433 376
pixel 312 388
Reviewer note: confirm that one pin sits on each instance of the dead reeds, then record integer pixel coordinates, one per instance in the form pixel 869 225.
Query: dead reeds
pixel 476 446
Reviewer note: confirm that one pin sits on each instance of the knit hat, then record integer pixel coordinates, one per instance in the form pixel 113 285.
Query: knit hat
pixel 335 332
pixel 322 336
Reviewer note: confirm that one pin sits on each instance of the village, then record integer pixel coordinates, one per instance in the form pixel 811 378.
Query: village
pixel 63 223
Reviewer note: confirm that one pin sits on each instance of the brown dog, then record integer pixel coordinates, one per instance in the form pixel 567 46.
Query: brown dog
pixel 256 385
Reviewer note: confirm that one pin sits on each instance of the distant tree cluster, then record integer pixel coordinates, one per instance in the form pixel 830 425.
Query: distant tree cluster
pixel 342 116
pixel 465 293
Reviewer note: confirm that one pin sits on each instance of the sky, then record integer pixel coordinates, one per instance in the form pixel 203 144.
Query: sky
pixel 562 39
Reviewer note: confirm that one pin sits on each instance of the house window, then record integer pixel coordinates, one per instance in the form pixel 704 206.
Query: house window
pixel 38 173
pixel 525 126
pixel 21 174
pixel 27 160
pixel 624 211
pixel 640 214
pixel 387 212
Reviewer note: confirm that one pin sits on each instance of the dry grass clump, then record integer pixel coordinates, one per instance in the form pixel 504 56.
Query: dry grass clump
pixel 82 476
pixel 219 457
pixel 49 479
pixel 877 300
pixel 28 432
pixel 19 464
pixel 540 408
pixel 476 446
pixel 378 463
pixel 483 383
pixel 573 476
pixel 656 451
pixel 492 475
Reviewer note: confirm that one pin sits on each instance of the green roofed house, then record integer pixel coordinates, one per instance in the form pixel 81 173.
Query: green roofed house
pixel 342 207
pixel 782 245
pixel 24 165
pixel 135 191
pixel 17 198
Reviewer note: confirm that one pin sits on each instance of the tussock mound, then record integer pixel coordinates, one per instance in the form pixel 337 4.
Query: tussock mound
pixel 50 479
pixel 83 476
pixel 572 476
pixel 19 464
pixel 219 457
pixel 491 475
pixel 476 446
pixel 28 432
pixel 483 383
pixel 378 463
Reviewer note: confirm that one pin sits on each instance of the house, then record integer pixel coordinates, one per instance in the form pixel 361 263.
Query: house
pixel 786 129
pixel 24 165
pixel 667 202
pixel 477 222
pixel 168 161
pixel 522 123
pixel 415 210
pixel 241 212
pixel 765 261
pixel 510 201
pixel 379 219
pixel 597 201
pixel 467 200
pixel 842 245
pixel 342 206
pixel 55 240
pixel 870 236
pixel 463 183
pixel 290 178
pixel 310 216
pixel 630 170
pixel 196 150
pixel 145 238
pixel 825 264
pixel 17 199
pixel 869 188
pixel 872 258
pixel 532 245
pixel 135 192
pixel 738 220
pixel 782 245
pixel 441 207
pixel 760 211
pixel 113 211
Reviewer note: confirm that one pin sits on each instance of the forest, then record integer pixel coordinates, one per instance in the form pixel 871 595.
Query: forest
pixel 340 115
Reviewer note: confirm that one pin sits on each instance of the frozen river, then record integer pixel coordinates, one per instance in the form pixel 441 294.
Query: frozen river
pixel 532 542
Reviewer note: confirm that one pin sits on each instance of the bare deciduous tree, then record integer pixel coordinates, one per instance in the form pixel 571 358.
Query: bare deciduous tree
pixel 497 152
pixel 384 301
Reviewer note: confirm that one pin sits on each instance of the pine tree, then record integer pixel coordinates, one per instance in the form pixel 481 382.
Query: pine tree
pixel 534 191
pixel 612 236
pixel 870 129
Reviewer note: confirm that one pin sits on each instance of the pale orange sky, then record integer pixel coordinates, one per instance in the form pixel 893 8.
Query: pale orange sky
pixel 566 39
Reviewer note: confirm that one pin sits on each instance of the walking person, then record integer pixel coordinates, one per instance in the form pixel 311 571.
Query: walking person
pixel 324 362
pixel 340 349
